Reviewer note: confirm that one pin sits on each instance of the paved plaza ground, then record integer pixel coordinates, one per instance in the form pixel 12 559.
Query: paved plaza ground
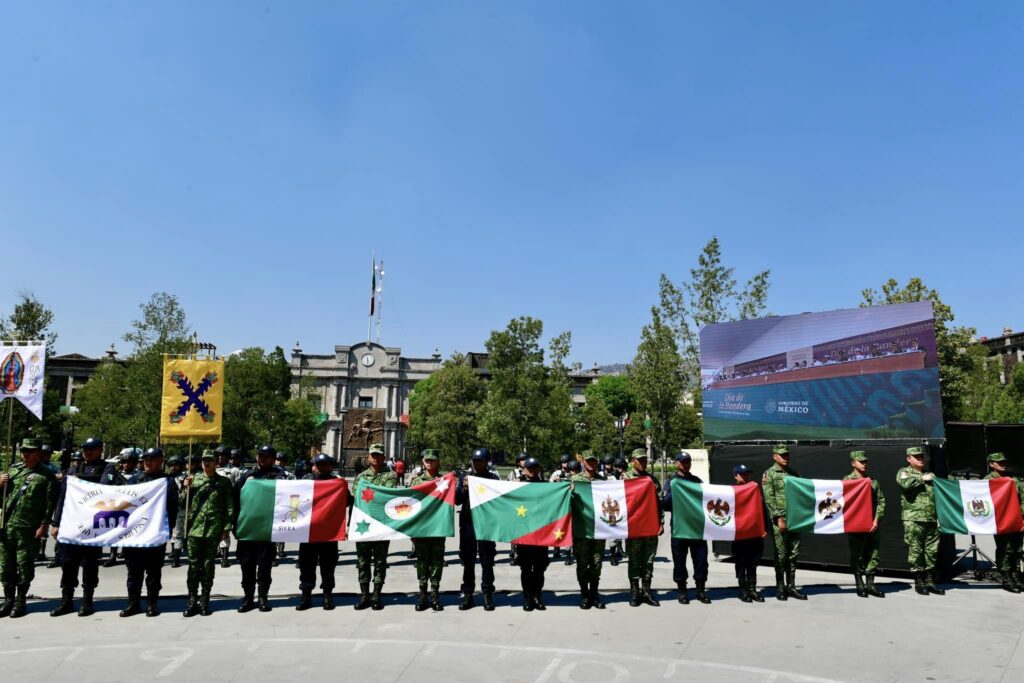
pixel 971 634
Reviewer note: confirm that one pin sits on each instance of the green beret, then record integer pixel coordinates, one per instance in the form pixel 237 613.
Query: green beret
pixel 639 453
pixel 30 444
pixel 992 457
pixel 915 450
pixel 429 454
pixel 781 449
pixel 859 456
pixel 376 448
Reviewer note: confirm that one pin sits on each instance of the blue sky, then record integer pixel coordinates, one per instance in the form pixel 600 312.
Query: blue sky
pixel 505 158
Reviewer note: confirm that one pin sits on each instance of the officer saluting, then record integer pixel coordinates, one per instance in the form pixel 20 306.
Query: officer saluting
pixel 323 554
pixel 256 557
pixel 31 492
pixel 75 556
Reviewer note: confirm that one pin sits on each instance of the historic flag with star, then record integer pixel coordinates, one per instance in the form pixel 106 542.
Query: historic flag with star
pixel 382 513
pixel 620 508
pixel 192 405
pixel 527 513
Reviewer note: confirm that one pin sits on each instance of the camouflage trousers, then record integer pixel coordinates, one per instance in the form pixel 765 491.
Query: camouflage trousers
pixel 863 552
pixel 178 534
pixel 1008 552
pixel 373 553
pixel 640 554
pixel 589 555
pixel 922 539
pixel 202 555
pixel 787 549
pixel 429 561
pixel 18 549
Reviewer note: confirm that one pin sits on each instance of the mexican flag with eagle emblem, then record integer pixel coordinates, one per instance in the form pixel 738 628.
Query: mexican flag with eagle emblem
pixel 615 509
pixel 829 506
pixel 382 513
pixel 982 506
pixel 715 512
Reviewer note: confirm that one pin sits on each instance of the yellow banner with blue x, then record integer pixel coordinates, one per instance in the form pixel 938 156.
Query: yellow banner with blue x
pixel 192 405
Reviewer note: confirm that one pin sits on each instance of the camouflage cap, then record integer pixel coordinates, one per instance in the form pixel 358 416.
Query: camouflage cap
pixel 589 455
pixel 915 450
pixel 781 449
pixel 992 457
pixel 859 456
pixel 209 454
pixel 430 454
pixel 30 444
pixel 376 449
pixel 638 453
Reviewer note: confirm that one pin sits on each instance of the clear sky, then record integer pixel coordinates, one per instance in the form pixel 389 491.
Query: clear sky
pixel 504 158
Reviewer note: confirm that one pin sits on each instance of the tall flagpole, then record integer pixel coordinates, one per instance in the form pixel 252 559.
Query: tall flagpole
pixel 380 298
pixel 373 294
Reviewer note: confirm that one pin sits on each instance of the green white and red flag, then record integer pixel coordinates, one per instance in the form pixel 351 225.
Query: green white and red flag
pixel 527 513
pixel 978 506
pixel 293 511
pixel 714 512
pixel 829 506
pixel 383 513
pixel 615 509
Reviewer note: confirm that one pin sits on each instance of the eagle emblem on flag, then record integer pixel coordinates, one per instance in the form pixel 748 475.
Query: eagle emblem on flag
pixel 718 512
pixel 979 508
pixel 829 507
pixel 610 508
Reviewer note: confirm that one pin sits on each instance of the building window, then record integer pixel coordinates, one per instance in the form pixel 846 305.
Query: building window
pixel 366 401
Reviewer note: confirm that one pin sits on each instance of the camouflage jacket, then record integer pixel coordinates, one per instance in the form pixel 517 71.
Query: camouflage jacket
pixel 383 478
pixel 582 476
pixel 877 497
pixel 1020 487
pixel 423 478
pixel 630 473
pixel 31 495
pixel 773 484
pixel 211 505
pixel 916 496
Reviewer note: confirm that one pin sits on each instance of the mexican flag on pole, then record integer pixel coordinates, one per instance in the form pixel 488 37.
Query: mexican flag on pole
pixel 382 513
pixel 981 506
pixel 528 513
pixel 615 509
pixel 716 513
pixel 290 511
pixel 828 506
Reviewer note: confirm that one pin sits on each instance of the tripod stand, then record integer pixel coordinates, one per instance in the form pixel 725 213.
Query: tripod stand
pixel 973 550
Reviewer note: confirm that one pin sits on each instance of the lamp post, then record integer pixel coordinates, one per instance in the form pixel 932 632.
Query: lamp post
pixel 620 424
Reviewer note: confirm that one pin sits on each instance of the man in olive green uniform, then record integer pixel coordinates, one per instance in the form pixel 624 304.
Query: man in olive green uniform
pixel 640 552
pixel 920 526
pixel 209 503
pixel 30 493
pixel 429 551
pixel 589 551
pixel 372 552
pixel 1008 546
pixel 864 546
pixel 787 544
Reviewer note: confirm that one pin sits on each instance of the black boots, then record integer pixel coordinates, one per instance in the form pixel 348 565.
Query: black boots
pixel 305 602
pixel 780 585
pixel 375 603
pixel 421 602
pixel 175 557
pixel 634 593
pixel 584 595
pixel 538 596
pixel 792 590
pixel 67 603
pixel 328 600
pixel 85 608
pixel 152 600
pixel 646 595
pixel 19 601
pixel 862 591
pixel 193 605
pixel 929 584
pixel 702 594
pixel 595 598
pixel 264 603
pixel 919 584
pixel 133 607
pixel 744 591
pixel 467 601
pixel 224 562
pixel 435 600
pixel 204 603
pixel 752 589
pixel 871 589
pixel 489 601
pixel 684 595
pixel 8 606
pixel 248 604
pixel 364 596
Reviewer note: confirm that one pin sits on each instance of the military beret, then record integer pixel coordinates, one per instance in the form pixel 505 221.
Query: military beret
pixel 996 457
pixel 683 456
pixel 92 442
pixel 589 455
pixel 638 453
pixel 376 449
pixel 915 450
pixel 859 456
pixel 781 449
pixel 429 454
pixel 30 444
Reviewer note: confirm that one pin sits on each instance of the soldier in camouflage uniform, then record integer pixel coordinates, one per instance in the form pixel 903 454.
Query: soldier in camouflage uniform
pixel 30 493
pixel 920 526
pixel 429 551
pixel 1008 546
pixel 787 544
pixel 175 465
pixel 640 552
pixel 864 546
pixel 373 553
pixel 225 468
pixel 209 504
pixel 589 551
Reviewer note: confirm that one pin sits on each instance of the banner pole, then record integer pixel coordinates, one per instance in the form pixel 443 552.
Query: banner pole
pixel 7 466
pixel 188 496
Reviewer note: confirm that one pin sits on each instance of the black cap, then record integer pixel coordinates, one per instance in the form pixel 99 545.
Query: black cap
pixel 47 448
pixel 235 452
pixel 323 458
pixel 740 469
pixel 620 462
pixel 481 454
pixel 565 458
pixel 683 456
pixel 522 456
pixel 222 450
pixel 153 453
pixel 575 466
pixel 267 450
pixel 531 462
pixel 77 455
pixel 174 459
pixel 92 442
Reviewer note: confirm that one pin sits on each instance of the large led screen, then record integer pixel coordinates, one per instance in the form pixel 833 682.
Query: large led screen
pixel 860 373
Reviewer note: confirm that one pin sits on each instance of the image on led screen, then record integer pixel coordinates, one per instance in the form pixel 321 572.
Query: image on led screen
pixel 860 373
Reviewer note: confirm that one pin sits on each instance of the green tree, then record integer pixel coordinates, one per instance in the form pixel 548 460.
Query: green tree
pixel 952 342
pixel 595 428
pixel 659 384
pixel 444 411
pixel 615 391
pixel 421 404
pixel 254 397
pixel 709 296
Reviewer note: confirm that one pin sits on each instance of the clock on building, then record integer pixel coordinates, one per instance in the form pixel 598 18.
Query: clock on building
pixel 367 359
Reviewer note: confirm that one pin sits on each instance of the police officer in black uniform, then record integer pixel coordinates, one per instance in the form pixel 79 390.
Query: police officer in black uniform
pixel 149 561
pixel 74 556
pixel 469 547
pixel 747 553
pixel 698 550
pixel 533 559
pixel 323 555
pixel 257 557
